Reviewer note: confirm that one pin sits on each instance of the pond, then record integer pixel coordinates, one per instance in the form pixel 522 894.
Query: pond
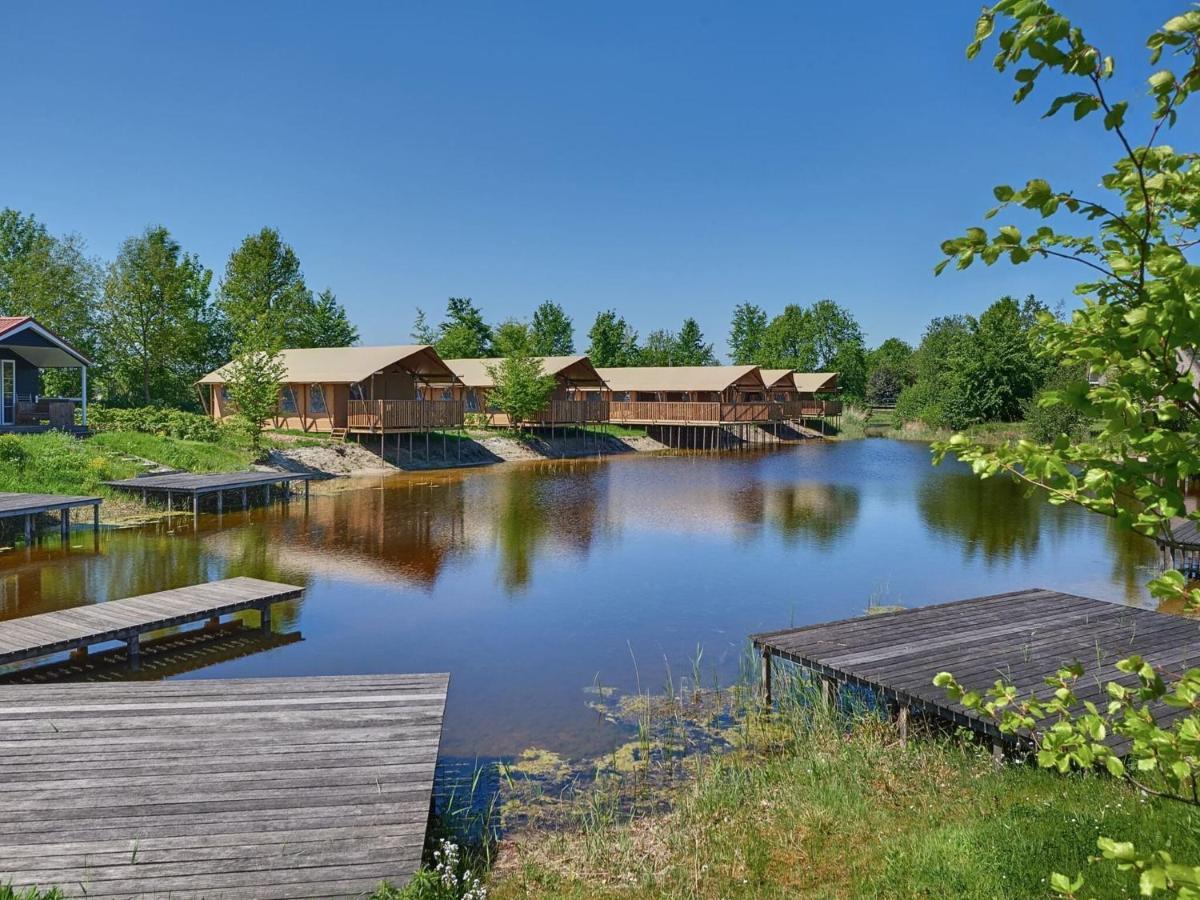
pixel 535 583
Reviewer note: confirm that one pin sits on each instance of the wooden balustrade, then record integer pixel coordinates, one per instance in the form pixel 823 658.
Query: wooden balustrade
pixel 566 412
pixel 396 415
pixel 810 409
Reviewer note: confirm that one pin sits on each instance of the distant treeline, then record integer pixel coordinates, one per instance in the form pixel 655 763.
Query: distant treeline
pixel 154 323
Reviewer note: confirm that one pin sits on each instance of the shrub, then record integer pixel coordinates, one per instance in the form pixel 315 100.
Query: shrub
pixel 159 420
pixel 1047 420
pixel 12 451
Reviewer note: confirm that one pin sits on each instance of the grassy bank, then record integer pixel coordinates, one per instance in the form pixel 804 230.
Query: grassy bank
pixel 813 804
pixel 191 456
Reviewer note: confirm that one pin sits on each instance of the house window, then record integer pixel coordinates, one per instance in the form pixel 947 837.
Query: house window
pixel 472 401
pixel 287 401
pixel 447 393
pixel 316 400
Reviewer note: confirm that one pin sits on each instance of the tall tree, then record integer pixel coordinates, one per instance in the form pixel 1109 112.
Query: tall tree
pixel 155 321
pixel 422 332
pixel 746 334
pixel 613 342
pixel 520 388
pixel 263 293
pixel 513 337
pixel 690 348
pixel 552 331
pixel 659 349
pixel 52 279
pixel 323 322
pixel 464 334
pixel 788 341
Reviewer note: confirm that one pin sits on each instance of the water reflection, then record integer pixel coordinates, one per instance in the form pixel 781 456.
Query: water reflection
pixel 530 583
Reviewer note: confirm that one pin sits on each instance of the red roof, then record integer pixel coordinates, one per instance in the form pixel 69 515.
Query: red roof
pixel 9 322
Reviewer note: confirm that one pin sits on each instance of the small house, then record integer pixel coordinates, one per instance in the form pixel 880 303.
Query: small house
pixel 352 390
pixel 27 349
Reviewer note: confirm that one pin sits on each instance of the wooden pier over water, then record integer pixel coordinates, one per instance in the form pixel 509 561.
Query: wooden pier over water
pixel 128 619
pixel 197 486
pixel 30 505
pixel 1022 637
pixel 265 788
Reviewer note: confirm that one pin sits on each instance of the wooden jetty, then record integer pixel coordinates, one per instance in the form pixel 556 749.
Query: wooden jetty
pixel 259 787
pixel 30 505
pixel 196 486
pixel 128 619
pixel 1182 550
pixel 1022 637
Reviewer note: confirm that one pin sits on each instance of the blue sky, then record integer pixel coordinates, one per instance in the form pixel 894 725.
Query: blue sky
pixel 662 159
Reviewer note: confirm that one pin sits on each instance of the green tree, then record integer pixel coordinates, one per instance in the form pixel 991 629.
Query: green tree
pixel 661 348
pixel 52 279
pixel 746 334
pixel 253 380
pixel 1138 325
pixel 263 292
pixel 691 350
pixel 788 341
pixel 513 337
pixel 889 371
pixel 323 322
pixel 520 388
pixel 936 363
pixel 837 341
pixel 613 342
pixel 422 331
pixel 553 332
pixel 464 334
pixel 1002 369
pixel 155 321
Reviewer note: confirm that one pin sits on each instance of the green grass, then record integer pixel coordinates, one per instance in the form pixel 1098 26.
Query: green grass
pixel 808 809
pixel 55 463
pixel 192 456
pixel 8 892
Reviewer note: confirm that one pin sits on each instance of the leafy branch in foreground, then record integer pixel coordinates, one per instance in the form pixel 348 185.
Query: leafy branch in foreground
pixel 1136 335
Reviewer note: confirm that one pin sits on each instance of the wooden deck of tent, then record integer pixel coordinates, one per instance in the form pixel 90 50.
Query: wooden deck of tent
pixel 1022 637
pixel 30 505
pixel 126 620
pixel 257 787
pixel 1182 551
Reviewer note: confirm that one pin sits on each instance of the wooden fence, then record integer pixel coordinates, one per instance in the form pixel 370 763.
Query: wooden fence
pixel 651 412
pixel 404 415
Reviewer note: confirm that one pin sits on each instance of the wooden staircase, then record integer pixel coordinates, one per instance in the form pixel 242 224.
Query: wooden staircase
pixel 338 434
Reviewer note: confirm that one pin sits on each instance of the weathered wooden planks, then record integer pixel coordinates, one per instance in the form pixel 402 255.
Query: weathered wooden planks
pixel 1022 637
pixel 126 620
pixel 290 787
pixel 30 505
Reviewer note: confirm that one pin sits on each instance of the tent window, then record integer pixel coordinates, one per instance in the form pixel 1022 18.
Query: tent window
pixel 287 401
pixel 356 391
pixel 316 400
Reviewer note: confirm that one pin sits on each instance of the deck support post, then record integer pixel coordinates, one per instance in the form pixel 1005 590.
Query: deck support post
pixel 220 502
pixel 170 501
pixel 902 722
pixel 765 686
pixel 196 509
pixel 95 518
pixel 28 530
pixel 264 617
pixel 997 752
pixel 134 647
pixel 64 523
pixel 828 693
pixel 307 480
pixel 245 499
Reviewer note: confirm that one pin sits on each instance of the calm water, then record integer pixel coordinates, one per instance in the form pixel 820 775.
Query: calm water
pixel 532 582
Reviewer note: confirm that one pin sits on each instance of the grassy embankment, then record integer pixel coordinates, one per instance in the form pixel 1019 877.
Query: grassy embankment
pixel 813 804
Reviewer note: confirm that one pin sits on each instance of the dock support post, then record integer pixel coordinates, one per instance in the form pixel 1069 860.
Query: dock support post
pixel 95 518
pixel 245 499
pixel 28 530
pixel 766 679
pixel 997 752
pixel 902 722
pixel 64 524
pixel 264 618
pixel 307 480
pixel 134 646
pixel 195 509
pixel 220 502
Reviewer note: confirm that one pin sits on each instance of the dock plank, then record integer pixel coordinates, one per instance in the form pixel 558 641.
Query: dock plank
pixel 224 801
pixel 1022 637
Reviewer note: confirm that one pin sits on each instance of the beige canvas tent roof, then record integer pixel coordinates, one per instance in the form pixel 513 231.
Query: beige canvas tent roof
pixel 682 378
pixel 773 377
pixel 815 382
pixel 576 369
pixel 350 365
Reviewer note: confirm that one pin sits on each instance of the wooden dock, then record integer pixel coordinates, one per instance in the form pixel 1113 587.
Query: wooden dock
pixel 30 505
pixel 1022 637
pixel 128 619
pixel 264 788
pixel 196 486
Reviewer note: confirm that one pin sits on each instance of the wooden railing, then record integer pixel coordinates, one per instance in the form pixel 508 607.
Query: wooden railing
pixel 566 412
pixel 649 412
pixel 386 415
pixel 810 409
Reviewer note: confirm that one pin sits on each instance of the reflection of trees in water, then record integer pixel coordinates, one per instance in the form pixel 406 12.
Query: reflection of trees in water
pixel 1131 554
pixel 811 510
pixel 995 518
pixel 538 506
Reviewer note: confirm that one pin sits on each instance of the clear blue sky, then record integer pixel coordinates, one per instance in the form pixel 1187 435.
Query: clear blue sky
pixel 663 159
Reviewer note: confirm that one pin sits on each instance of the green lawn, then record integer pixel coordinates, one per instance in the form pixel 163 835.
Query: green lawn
pixel 192 456
pixel 55 463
